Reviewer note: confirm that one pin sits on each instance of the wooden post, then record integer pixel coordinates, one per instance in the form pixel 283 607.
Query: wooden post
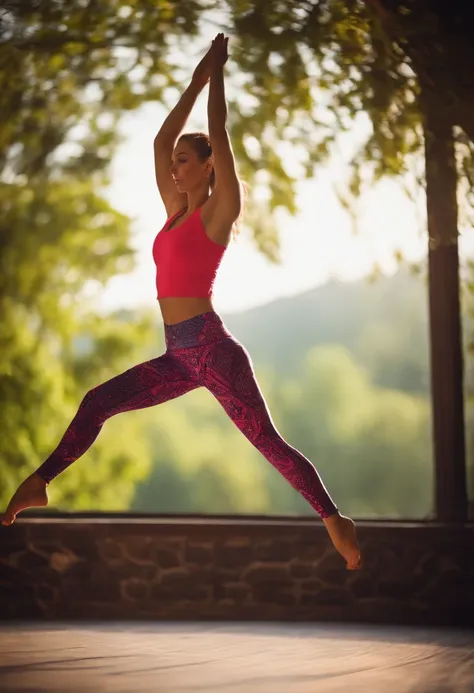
pixel 445 318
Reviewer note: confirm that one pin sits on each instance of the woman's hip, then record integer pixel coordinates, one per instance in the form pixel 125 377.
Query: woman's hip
pixel 200 330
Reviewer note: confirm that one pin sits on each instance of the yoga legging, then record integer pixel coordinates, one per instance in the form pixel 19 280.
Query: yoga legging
pixel 200 352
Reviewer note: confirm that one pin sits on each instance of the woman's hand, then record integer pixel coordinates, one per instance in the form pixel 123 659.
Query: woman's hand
pixel 202 72
pixel 215 58
pixel 219 52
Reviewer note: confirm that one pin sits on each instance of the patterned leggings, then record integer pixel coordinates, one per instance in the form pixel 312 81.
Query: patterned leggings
pixel 200 352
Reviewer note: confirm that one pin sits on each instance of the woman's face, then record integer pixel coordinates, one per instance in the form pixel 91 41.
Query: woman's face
pixel 186 168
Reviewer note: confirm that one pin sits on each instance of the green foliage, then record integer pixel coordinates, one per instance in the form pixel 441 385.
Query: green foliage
pixel 58 234
pixel 315 67
pixel 384 325
pixel 104 479
pixel 67 72
pixel 371 446
pixel 311 69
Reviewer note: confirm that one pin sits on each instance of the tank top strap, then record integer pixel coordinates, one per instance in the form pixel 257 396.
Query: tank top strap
pixel 172 218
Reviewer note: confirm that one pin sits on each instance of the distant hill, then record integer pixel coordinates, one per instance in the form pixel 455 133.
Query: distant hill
pixel 383 323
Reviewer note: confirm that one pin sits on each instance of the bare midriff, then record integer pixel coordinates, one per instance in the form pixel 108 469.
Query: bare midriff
pixel 174 310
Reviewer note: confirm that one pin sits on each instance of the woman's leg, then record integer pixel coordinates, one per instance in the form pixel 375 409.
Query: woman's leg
pixel 230 377
pixel 228 374
pixel 144 385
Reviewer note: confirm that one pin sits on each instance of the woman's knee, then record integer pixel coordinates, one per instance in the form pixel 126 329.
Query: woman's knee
pixel 90 405
pixel 259 433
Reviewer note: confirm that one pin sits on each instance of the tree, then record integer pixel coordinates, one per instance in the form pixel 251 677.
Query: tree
pixel 56 234
pixel 74 62
pixel 374 456
pixel 66 74
pixel 436 37
pixel 342 48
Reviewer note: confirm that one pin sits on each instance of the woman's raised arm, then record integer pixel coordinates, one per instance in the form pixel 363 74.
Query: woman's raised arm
pixel 168 134
pixel 228 190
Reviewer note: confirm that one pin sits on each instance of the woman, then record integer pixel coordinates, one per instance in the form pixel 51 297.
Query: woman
pixel 198 183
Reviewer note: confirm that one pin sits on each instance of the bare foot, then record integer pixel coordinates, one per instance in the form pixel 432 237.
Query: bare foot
pixel 343 535
pixel 31 493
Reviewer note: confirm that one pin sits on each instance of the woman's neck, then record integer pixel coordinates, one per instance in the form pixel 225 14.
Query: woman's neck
pixel 195 202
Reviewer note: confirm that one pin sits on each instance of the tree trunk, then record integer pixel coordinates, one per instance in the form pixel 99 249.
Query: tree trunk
pixel 445 318
pixel 436 36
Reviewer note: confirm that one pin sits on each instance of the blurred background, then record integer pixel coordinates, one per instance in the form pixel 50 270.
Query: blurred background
pixel 325 284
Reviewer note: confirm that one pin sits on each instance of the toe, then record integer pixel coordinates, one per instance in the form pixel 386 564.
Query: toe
pixel 355 565
pixel 8 518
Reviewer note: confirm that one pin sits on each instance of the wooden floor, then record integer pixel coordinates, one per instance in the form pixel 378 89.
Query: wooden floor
pixel 233 658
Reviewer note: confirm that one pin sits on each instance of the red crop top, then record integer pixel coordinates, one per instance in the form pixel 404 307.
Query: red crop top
pixel 186 259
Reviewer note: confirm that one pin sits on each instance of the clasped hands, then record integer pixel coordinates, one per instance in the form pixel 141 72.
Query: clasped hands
pixel 215 58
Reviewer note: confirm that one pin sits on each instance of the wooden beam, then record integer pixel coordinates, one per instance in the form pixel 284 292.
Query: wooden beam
pixel 445 319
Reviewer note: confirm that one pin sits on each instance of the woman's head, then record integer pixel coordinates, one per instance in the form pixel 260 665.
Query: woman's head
pixel 192 166
pixel 192 163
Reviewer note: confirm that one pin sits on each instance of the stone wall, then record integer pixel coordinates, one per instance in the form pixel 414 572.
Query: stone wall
pixel 239 569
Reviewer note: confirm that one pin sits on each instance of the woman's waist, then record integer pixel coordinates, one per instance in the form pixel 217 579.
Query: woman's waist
pixel 201 329
pixel 177 309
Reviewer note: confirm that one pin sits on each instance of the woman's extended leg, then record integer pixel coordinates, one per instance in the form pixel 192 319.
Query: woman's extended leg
pixel 230 377
pixel 144 385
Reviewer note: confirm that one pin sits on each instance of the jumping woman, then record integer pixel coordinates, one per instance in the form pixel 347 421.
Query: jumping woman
pixel 197 180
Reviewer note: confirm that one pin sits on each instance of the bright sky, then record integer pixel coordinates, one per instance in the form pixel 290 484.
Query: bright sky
pixel 316 245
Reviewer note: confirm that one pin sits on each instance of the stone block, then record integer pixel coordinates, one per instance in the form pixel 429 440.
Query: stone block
pixel 401 587
pixel 181 576
pixel 62 561
pixel 16 591
pixel 127 570
pixel 311 586
pixel 84 570
pixel 364 587
pixel 274 551
pixel 31 561
pixel 278 596
pixel 139 548
pixel 80 540
pixel 233 556
pixel 238 591
pixel 136 590
pixel 311 550
pixel 46 593
pixel 300 569
pixel 179 591
pixel 333 596
pixel 268 574
pixel 334 576
pixel 165 558
pixel 199 553
pixel 90 592
pixel 110 550
pixel 10 573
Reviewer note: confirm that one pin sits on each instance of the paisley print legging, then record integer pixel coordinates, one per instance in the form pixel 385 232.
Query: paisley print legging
pixel 200 352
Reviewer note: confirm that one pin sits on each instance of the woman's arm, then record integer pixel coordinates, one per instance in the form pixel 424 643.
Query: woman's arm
pixel 177 117
pixel 166 138
pixel 228 190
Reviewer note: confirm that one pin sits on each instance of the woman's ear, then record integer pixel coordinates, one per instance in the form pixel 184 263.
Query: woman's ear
pixel 209 166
